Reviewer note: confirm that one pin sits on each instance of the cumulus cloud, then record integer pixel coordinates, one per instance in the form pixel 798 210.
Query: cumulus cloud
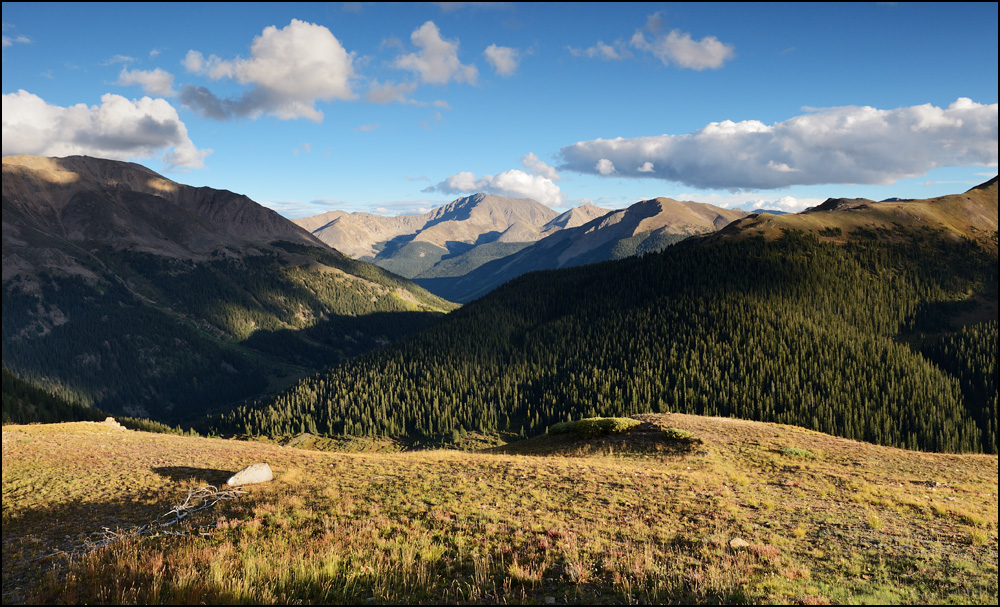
pixel 679 48
pixel 289 70
pixel 503 59
pixel 155 82
pixel 605 167
pixel 536 166
pixel 118 128
pixel 846 145
pixel 674 48
pixel 513 183
pixel 437 60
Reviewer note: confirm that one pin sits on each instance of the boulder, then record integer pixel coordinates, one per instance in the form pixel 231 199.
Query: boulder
pixel 254 473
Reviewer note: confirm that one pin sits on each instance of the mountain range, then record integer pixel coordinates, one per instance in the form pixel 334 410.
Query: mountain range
pixel 871 320
pixel 470 246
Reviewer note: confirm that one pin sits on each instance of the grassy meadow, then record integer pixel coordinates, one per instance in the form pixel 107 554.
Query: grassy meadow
pixel 713 511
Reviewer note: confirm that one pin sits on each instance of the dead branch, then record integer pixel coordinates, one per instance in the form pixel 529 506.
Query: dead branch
pixel 198 499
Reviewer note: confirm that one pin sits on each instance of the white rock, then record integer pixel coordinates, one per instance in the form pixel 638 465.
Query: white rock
pixel 254 473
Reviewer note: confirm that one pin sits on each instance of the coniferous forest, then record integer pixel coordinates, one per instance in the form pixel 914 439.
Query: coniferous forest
pixel 859 339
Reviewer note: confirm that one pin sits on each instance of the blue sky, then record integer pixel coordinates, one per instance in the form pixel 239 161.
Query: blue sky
pixel 397 108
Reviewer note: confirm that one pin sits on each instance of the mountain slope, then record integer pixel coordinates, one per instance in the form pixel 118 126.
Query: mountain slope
pixel 137 294
pixel 972 214
pixel 837 335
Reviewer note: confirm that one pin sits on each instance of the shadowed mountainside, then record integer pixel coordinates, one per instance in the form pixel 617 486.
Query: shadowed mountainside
pixel 137 294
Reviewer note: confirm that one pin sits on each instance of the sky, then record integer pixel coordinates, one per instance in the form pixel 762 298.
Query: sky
pixel 397 108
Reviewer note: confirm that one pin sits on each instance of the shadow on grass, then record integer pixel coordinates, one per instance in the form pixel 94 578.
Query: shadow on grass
pixel 208 476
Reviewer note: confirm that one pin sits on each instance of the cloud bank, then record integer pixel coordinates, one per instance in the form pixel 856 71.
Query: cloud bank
pixel 289 70
pixel 842 145
pixel 118 128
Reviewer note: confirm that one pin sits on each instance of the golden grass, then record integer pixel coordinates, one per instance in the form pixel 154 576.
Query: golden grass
pixel 574 524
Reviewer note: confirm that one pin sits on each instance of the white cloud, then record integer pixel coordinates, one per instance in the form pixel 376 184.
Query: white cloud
pixel 119 59
pixel 8 41
pixel 602 51
pixel 678 47
pixel 605 167
pixel 389 92
pixel 675 47
pixel 289 70
pixel 512 183
pixel 119 129
pixel 155 82
pixel 437 61
pixel 503 59
pixel 535 166
pixel 845 145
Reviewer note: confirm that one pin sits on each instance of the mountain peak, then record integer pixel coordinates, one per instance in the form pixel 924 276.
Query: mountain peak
pixel 127 205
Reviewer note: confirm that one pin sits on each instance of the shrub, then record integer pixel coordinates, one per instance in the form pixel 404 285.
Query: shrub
pixel 799 453
pixel 595 426
pixel 682 436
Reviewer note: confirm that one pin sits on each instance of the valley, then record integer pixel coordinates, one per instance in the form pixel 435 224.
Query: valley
pixel 665 403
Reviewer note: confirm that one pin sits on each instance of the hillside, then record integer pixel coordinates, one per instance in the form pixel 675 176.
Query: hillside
pixel 972 215
pixel 887 336
pixel 128 291
pixel 755 513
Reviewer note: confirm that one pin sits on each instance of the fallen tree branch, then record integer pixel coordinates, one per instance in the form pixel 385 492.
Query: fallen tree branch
pixel 198 499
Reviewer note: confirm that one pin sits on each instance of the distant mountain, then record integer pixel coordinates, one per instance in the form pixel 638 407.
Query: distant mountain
pixel 872 321
pixel 128 291
pixel 448 241
pixel 466 248
pixel 644 227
